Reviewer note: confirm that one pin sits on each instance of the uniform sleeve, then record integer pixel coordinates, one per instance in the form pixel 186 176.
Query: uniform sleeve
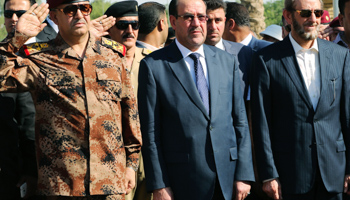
pixel 131 122
pixel 17 74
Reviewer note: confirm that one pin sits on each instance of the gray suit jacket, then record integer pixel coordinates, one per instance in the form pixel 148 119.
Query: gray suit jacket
pixel 244 56
pixel 183 147
pixel 292 139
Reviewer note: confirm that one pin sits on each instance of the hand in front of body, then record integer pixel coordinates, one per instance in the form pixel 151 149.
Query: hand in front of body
pixel 101 25
pixel 242 189
pixel 129 179
pixel 163 194
pixel 273 189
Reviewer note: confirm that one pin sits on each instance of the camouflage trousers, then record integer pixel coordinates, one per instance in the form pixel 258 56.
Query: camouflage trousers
pixel 96 197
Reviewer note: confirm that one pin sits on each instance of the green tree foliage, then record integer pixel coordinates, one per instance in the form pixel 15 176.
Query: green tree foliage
pixel 99 7
pixel 273 12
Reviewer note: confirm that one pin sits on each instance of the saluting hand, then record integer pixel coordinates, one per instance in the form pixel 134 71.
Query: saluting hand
pixel 101 25
pixel 30 23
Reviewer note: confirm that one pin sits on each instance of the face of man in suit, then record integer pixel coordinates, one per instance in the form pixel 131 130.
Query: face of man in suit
pixel 304 28
pixel 128 36
pixel 344 20
pixel 14 5
pixel 215 26
pixel 190 32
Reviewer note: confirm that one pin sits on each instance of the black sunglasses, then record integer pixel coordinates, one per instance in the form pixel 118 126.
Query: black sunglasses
pixel 9 13
pixel 307 13
pixel 124 24
pixel 72 10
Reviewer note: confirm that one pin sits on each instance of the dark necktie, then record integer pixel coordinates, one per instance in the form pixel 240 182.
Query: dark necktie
pixel 201 82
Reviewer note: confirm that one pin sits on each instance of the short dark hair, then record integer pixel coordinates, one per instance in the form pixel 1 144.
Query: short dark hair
pixel 215 4
pixel 32 2
pixel 290 4
pixel 341 5
pixel 173 8
pixel 237 12
pixel 150 13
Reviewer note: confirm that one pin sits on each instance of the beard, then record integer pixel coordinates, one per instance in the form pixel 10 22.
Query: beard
pixel 298 28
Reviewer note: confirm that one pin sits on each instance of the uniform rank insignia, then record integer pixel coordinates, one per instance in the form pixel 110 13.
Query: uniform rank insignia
pixel 35 47
pixel 114 45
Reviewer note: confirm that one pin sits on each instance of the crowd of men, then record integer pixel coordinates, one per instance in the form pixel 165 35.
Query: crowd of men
pixel 219 114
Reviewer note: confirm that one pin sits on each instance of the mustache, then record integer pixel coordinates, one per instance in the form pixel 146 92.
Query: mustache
pixel 80 21
pixel 195 29
pixel 129 35
pixel 310 24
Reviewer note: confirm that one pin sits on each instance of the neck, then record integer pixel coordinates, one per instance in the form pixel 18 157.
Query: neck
pixel 306 44
pixel 346 38
pixel 130 53
pixel 238 34
pixel 77 43
pixel 152 38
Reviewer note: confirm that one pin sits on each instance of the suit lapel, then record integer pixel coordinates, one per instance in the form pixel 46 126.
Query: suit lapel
pixel 325 70
pixel 213 76
pixel 291 65
pixel 178 66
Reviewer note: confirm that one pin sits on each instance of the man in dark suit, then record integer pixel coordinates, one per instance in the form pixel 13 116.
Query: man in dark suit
pixel 301 111
pixel 17 118
pixel 193 121
pixel 237 27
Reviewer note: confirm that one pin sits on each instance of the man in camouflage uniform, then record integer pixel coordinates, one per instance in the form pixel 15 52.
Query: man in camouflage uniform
pixel 87 127
pixel 126 32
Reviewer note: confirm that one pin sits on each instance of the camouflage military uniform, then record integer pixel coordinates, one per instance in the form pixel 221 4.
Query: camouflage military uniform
pixel 87 125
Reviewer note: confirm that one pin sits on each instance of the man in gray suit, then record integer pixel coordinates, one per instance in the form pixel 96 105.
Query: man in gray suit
pixel 193 121
pixel 216 10
pixel 301 111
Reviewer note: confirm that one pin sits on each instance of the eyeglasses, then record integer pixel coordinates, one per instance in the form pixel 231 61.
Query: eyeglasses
pixel 9 13
pixel 124 24
pixel 72 10
pixel 307 13
pixel 190 18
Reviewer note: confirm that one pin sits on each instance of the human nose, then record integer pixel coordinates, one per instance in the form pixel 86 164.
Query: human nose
pixel 79 14
pixel 129 28
pixel 195 21
pixel 14 17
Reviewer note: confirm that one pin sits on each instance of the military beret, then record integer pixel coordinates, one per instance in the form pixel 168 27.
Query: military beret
pixel 122 9
pixel 55 3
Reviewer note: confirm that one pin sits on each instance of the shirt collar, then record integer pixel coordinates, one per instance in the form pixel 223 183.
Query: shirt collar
pixel 148 46
pixel 298 48
pixel 247 40
pixel 220 45
pixel 340 41
pixel 186 52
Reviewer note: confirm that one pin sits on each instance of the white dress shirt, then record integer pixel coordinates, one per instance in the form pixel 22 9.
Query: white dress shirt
pixel 148 46
pixel 309 64
pixel 190 62
pixel 220 45
pixel 247 40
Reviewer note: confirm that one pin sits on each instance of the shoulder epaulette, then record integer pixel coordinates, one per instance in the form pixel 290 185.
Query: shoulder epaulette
pixel 146 51
pixel 34 48
pixel 114 45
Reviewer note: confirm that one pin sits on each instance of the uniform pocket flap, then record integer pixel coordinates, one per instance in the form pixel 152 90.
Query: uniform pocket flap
pixel 233 152
pixel 108 74
pixel 176 157
pixel 340 146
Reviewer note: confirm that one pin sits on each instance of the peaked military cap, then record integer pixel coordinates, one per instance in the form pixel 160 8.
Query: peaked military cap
pixel 55 3
pixel 123 9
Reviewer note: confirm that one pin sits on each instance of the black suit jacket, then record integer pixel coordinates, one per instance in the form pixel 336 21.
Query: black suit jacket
pixel 47 34
pixel 17 141
pixel 292 139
